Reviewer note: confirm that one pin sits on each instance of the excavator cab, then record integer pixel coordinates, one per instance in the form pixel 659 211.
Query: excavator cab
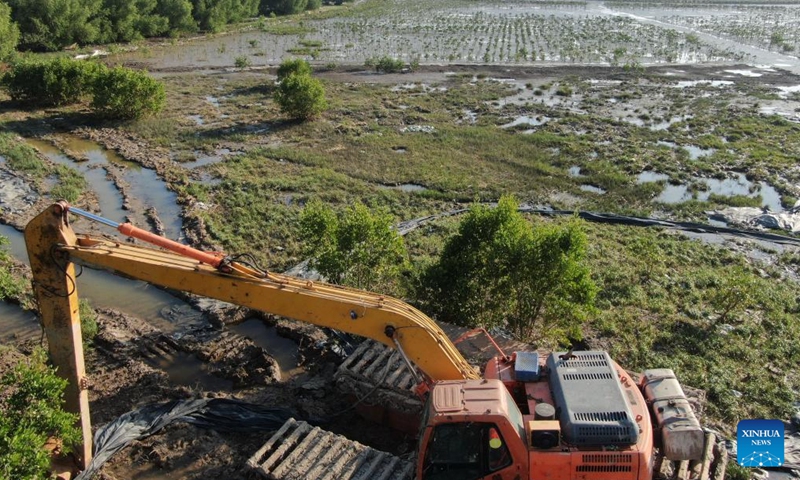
pixel 465 450
pixel 469 433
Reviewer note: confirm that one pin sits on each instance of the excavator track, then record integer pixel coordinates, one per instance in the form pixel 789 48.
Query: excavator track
pixel 377 375
pixel 299 451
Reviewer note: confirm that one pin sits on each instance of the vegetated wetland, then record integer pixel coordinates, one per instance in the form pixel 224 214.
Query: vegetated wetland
pixel 674 140
pixel 459 31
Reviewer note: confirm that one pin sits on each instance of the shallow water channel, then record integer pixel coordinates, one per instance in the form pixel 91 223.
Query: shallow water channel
pixel 143 183
pixel 140 299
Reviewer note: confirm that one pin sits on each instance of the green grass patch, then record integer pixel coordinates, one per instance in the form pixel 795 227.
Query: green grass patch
pixel 312 52
pixel 21 157
pixel 12 285
pixel 71 184
pixel 311 43
pixel 735 200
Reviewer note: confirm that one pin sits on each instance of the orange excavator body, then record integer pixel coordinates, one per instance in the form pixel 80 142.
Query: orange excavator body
pixel 503 406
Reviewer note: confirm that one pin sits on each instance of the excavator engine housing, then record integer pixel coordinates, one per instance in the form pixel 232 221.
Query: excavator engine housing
pixel 592 407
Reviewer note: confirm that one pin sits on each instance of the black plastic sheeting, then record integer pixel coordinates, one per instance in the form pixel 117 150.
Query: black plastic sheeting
pixel 213 413
pixel 408 226
pixel 686 226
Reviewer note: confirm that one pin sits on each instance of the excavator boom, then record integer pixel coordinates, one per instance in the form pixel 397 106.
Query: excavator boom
pixel 378 317
pixel 53 246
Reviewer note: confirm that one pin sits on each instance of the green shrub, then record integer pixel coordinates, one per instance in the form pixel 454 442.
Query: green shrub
pixel 30 413
pixel 9 33
pixel 60 81
pixel 301 96
pixel 293 66
pixel 388 64
pixel 564 91
pixel 125 94
pixel 357 247
pixel 241 62
pixel 735 472
pixel 497 270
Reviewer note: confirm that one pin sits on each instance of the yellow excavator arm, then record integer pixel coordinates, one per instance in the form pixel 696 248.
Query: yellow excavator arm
pixel 53 246
pixel 382 318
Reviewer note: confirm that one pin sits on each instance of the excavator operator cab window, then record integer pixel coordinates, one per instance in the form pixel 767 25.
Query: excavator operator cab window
pixel 465 451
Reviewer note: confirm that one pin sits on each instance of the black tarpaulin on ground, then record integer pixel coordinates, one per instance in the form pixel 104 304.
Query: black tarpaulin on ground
pixel 213 413
pixel 406 227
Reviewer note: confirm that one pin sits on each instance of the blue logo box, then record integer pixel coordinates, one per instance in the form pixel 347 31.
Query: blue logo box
pixel 759 443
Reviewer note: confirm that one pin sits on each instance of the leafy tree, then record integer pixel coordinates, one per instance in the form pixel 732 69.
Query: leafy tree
pixel 55 24
pixel 301 96
pixel 126 94
pixel 213 15
pixel 59 81
pixel 357 247
pixel 296 66
pixel 9 33
pixel 179 15
pixel 125 20
pixel 497 270
pixel 313 4
pixel 285 7
pixel 30 413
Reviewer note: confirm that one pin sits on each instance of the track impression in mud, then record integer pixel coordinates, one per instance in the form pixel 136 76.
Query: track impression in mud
pixel 125 190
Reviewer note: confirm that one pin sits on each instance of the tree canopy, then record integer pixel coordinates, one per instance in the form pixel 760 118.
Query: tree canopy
pixel 356 247
pixel 126 94
pixel 301 96
pixel 213 15
pixel 499 271
pixel 293 66
pixel 55 24
pixel 9 33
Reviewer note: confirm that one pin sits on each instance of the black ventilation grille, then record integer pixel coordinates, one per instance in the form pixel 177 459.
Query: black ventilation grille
pixel 603 468
pixel 588 376
pixel 581 363
pixel 600 416
pixel 608 458
pixel 600 434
